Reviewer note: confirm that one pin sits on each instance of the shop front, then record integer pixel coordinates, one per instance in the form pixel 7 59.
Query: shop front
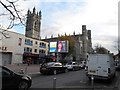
pixel 29 58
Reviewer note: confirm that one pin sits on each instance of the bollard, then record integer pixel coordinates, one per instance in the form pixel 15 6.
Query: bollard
pixel 54 83
pixel 92 82
pixel 26 70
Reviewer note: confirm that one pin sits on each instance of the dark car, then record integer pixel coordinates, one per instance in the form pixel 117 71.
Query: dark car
pixel 52 68
pixel 14 81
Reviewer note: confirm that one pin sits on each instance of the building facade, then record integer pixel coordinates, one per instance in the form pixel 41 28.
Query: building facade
pixel 82 46
pixel 12 48
pixel 34 49
pixel 17 48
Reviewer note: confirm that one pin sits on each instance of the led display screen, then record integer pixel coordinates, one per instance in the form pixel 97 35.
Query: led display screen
pixel 53 47
pixel 58 46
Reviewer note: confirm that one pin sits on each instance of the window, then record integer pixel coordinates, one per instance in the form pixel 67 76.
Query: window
pixel 20 41
pixel 24 49
pixel 35 24
pixel 5 73
pixel 35 50
pixel 35 42
pixel 30 49
pixel 28 42
pixel 27 49
pixel 31 42
pixel 42 45
pixel 41 51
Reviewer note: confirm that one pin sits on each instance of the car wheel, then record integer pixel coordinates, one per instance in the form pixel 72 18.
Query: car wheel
pixel 55 72
pixel 89 79
pixel 23 85
pixel 66 70
pixel 73 69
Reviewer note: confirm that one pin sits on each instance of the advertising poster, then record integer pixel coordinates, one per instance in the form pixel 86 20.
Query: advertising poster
pixel 59 46
pixel 53 47
pixel 62 46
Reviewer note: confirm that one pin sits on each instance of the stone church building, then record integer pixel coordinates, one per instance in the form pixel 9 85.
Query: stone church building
pixel 82 46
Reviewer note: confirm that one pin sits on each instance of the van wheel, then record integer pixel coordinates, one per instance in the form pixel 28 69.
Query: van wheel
pixel 114 75
pixel 89 79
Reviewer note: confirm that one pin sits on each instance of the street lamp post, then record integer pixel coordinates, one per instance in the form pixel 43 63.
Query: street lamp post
pixel 118 49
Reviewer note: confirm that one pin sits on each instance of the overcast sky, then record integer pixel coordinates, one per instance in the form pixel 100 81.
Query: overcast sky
pixel 67 16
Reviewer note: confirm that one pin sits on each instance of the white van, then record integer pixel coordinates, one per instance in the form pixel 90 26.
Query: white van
pixel 100 66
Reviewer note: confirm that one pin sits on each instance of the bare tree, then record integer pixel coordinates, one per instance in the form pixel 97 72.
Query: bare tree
pixel 100 49
pixel 117 45
pixel 15 16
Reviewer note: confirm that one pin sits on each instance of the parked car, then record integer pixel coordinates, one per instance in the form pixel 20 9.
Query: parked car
pixel 73 66
pixel 14 81
pixel 82 64
pixel 52 68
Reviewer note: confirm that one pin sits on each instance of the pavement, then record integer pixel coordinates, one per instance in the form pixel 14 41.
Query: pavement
pixel 32 69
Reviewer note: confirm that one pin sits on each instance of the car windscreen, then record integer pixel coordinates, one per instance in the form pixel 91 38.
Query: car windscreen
pixel 68 63
pixel 50 64
pixel 74 63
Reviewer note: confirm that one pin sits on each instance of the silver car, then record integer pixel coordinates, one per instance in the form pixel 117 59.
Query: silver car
pixel 73 66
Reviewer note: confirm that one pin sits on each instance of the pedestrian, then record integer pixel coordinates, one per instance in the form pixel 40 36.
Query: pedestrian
pixel 28 61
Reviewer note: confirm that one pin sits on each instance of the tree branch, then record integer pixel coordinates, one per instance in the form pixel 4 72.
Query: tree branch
pixel 15 14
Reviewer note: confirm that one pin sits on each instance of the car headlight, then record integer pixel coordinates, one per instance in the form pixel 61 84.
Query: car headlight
pixel 29 77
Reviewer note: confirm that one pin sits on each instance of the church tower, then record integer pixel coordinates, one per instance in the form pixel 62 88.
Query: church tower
pixel 33 24
pixel 84 32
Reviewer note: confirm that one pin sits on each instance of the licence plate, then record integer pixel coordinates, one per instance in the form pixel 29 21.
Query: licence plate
pixel 43 68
